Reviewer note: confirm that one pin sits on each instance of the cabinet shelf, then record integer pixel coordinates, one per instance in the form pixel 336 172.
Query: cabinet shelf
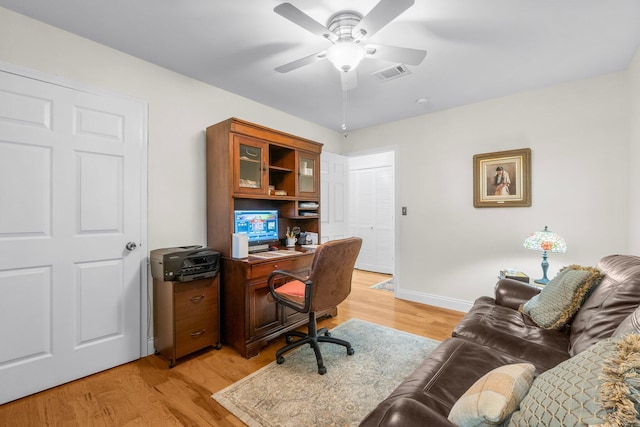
pixel 246 159
pixel 279 169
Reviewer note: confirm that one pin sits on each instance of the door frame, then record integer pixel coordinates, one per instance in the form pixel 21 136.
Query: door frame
pixel 396 218
pixel 146 344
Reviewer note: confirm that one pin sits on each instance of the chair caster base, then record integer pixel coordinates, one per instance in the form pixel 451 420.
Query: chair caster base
pixel 280 360
pixel 350 351
pixel 322 370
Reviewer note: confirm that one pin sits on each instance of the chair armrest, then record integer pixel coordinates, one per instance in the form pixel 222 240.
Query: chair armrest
pixel 513 293
pixel 276 273
pixel 304 308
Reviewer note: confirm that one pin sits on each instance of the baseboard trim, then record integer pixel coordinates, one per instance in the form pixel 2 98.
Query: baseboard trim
pixel 435 300
pixel 151 349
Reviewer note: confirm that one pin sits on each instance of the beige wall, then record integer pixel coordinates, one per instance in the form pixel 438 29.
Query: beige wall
pixel 633 74
pixel 585 139
pixel 449 252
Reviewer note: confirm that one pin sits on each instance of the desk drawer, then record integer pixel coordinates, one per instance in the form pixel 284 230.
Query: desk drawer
pixel 194 299
pixel 196 305
pixel 262 270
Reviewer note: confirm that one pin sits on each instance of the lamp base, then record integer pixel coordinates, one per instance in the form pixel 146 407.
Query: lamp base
pixel 545 267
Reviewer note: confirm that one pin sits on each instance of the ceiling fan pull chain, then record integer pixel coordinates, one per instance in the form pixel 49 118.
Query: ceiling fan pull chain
pixel 344 112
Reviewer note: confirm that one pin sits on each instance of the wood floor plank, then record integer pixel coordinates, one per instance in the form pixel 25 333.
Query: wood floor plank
pixel 146 392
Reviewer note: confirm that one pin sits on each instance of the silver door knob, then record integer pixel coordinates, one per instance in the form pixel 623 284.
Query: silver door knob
pixel 131 246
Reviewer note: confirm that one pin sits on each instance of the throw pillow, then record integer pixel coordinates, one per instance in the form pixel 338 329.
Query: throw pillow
pixel 585 389
pixel 491 399
pixel 562 297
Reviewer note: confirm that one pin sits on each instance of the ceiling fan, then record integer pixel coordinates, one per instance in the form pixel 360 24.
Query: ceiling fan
pixel 348 30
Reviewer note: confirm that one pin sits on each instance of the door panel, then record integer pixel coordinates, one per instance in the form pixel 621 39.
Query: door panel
pixel 371 211
pixel 71 173
pixel 333 194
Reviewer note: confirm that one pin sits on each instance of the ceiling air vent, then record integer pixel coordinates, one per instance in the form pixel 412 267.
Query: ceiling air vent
pixel 391 73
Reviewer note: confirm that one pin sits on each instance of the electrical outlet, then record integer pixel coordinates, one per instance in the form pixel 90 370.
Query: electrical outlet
pixel 404 210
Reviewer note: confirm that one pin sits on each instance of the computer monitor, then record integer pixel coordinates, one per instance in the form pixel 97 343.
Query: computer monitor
pixel 260 226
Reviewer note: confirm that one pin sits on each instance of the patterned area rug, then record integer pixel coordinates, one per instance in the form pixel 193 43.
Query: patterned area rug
pixel 294 394
pixel 387 285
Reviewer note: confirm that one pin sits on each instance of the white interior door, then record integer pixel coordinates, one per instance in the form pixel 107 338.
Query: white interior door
pixel 70 201
pixel 371 210
pixel 334 175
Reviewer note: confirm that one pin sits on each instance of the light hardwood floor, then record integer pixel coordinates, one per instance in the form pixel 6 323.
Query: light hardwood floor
pixel 147 393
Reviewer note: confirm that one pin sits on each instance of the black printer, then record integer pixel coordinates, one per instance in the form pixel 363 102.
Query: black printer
pixel 184 263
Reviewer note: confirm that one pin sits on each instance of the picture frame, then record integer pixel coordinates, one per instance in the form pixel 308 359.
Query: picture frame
pixel 502 179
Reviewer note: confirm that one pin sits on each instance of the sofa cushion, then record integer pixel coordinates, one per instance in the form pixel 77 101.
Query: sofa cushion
pixel 491 399
pixel 617 296
pixel 630 325
pixel 510 331
pixel 561 298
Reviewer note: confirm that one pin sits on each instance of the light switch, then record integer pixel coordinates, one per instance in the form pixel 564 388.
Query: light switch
pixel 404 210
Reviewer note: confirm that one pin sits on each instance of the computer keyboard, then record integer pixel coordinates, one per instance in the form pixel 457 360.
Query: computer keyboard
pixel 274 254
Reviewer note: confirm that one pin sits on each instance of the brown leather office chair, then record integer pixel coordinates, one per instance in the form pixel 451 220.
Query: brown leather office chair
pixel 328 284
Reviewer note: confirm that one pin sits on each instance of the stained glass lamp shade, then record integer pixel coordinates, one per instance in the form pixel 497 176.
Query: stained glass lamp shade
pixel 545 241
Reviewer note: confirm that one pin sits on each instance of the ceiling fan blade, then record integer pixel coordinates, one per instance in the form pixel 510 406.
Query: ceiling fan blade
pixel 298 17
pixel 381 14
pixel 349 80
pixel 302 62
pixel 404 55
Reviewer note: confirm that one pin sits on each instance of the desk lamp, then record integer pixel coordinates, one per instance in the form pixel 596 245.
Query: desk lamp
pixel 545 240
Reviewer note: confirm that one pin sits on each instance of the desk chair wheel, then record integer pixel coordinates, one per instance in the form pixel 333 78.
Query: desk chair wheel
pixel 280 360
pixel 322 370
pixel 350 351
pixel 289 339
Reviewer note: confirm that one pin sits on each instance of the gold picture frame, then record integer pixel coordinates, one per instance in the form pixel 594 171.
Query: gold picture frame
pixel 502 179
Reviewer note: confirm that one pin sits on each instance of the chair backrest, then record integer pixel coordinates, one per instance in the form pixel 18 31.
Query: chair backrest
pixel 331 272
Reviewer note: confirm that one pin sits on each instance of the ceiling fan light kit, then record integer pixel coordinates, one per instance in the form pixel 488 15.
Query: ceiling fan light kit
pixel 346 56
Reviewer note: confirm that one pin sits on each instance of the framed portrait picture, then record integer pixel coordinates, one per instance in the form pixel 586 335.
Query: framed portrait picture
pixel 502 179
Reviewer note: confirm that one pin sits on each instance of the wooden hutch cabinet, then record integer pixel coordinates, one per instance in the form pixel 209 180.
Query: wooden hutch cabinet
pixel 253 167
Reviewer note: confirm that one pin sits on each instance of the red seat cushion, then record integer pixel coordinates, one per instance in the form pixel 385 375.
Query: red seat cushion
pixel 293 290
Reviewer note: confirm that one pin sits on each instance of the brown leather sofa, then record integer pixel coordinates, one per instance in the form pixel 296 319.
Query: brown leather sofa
pixel 494 333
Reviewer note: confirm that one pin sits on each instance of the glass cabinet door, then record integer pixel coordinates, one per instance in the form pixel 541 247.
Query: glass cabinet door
pixel 307 175
pixel 250 170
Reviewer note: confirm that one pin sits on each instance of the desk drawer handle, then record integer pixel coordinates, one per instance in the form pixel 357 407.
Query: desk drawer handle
pixel 197 333
pixel 197 299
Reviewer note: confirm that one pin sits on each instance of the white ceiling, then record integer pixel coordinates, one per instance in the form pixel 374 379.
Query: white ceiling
pixel 476 49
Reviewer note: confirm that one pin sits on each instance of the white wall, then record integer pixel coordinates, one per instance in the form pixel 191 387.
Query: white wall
pixel 450 252
pixel 180 109
pixel 634 154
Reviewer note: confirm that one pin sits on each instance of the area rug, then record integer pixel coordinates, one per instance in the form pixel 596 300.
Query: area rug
pixel 294 394
pixel 387 285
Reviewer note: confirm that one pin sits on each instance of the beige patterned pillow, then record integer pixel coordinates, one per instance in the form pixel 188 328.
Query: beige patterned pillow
pixel 491 399
pixel 562 297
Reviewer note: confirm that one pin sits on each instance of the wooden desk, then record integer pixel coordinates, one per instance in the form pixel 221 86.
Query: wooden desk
pixel 251 317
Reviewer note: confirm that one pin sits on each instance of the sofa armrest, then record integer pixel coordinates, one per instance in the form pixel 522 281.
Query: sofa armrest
pixel 406 412
pixel 513 293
